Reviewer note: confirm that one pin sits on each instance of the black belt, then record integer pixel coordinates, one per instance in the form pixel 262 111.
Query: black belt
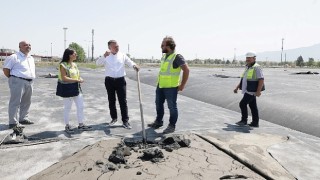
pixel 22 78
pixel 112 78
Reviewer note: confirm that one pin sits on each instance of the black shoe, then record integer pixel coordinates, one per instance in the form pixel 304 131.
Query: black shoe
pixel 11 126
pixel 127 125
pixel 155 125
pixel 84 127
pixel 169 129
pixel 254 125
pixel 26 122
pixel 113 121
pixel 241 123
pixel 69 129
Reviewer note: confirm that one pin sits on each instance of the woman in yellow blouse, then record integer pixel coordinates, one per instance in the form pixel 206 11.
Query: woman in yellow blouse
pixel 69 73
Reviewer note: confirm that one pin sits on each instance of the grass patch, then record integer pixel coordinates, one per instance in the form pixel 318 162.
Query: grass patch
pixel 56 64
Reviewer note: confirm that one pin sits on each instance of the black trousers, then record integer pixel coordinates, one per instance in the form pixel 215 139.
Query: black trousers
pixel 251 100
pixel 117 86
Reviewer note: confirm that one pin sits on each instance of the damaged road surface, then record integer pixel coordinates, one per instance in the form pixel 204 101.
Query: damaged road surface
pixel 198 159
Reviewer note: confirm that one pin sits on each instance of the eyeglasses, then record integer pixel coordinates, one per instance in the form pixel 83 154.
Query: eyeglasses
pixel 27 45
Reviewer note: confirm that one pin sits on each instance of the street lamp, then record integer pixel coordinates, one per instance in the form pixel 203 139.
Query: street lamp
pixel 65 37
pixel 92 47
pixel 281 50
pixel 51 50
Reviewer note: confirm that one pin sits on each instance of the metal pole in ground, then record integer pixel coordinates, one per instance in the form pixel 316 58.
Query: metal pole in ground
pixel 144 139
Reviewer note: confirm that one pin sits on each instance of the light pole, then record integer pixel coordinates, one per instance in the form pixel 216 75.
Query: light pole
pixel 92 48
pixel 234 58
pixel 51 50
pixel 281 50
pixel 65 37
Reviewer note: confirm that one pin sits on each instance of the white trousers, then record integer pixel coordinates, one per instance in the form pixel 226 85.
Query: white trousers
pixel 78 100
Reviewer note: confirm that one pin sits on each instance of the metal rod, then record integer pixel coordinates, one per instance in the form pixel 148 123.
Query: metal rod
pixel 144 139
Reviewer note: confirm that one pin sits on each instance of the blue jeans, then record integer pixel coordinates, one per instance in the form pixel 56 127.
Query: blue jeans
pixel 169 94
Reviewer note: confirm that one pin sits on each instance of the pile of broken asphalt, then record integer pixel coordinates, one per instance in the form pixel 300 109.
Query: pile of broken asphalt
pixel 176 156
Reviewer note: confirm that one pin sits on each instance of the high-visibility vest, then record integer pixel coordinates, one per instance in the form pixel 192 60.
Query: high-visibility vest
pixel 168 76
pixel 73 72
pixel 252 80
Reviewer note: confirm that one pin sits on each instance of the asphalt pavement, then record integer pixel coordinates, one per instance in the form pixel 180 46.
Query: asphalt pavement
pixel 272 151
pixel 290 100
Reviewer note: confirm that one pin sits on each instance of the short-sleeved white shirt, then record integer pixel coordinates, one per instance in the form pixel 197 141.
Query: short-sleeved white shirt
pixel 20 65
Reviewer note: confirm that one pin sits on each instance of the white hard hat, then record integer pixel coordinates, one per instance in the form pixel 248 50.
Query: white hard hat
pixel 251 54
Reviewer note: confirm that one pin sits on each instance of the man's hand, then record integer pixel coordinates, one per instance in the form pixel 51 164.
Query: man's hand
pixel 136 68
pixel 107 53
pixel 235 90
pixel 6 72
pixel 180 88
pixel 258 93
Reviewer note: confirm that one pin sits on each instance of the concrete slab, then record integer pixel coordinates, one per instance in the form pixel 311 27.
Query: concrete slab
pixel 200 161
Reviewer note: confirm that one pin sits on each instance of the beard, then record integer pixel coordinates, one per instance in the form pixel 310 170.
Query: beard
pixel 164 51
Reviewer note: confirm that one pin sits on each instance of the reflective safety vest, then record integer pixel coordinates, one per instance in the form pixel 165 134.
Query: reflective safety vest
pixel 252 80
pixel 72 72
pixel 168 76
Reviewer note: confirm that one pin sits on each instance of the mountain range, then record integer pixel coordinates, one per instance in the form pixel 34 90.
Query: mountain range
pixel 289 54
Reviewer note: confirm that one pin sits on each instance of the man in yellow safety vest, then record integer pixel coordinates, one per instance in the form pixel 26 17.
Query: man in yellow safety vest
pixel 251 84
pixel 169 84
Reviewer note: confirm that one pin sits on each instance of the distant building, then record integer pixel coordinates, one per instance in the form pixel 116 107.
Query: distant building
pixel 37 58
pixel 4 53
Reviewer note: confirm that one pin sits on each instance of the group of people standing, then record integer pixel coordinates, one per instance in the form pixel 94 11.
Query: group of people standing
pixel 20 70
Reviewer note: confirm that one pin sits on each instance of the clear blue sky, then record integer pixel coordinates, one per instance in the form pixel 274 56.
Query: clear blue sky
pixel 201 28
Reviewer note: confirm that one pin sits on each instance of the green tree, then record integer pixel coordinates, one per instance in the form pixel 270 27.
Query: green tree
pixel 299 61
pixel 79 50
pixel 311 62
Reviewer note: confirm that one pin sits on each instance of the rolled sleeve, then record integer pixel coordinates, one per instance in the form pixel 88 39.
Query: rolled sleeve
pixel 101 61
pixel 128 61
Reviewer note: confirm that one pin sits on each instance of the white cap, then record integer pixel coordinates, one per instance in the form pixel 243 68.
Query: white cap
pixel 251 54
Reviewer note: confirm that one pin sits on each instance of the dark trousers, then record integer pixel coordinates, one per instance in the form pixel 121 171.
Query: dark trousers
pixel 170 95
pixel 251 100
pixel 117 86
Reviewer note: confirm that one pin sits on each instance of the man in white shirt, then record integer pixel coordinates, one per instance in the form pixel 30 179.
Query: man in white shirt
pixel 20 69
pixel 115 83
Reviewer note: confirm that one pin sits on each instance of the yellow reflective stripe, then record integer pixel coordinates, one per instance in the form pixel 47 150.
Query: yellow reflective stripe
pixel 166 64
pixel 251 74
